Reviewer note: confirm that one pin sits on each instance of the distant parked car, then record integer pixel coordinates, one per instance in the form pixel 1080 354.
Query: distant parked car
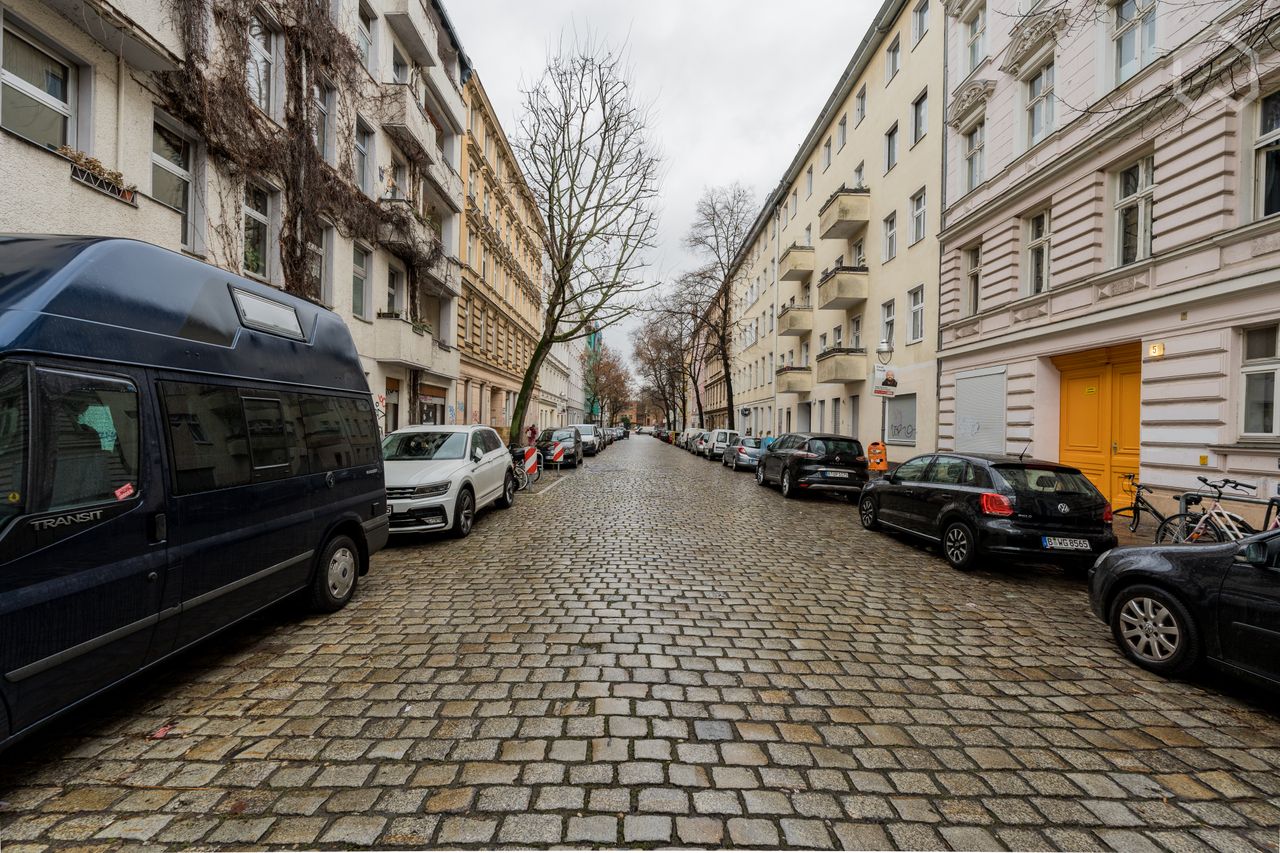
pixel 744 452
pixel 565 442
pixel 978 503
pixel 592 443
pixel 438 477
pixel 719 439
pixel 800 462
pixel 701 442
pixel 1172 606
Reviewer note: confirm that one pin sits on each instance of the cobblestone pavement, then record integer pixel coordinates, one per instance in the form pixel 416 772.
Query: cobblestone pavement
pixel 653 652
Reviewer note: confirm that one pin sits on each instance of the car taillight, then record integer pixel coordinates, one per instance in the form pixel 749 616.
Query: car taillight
pixel 804 454
pixel 859 459
pixel 742 451
pixel 996 504
pixel 1107 514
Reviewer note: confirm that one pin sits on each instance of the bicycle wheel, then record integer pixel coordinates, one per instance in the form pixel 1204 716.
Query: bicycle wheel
pixel 537 472
pixel 1131 515
pixel 1185 528
pixel 522 479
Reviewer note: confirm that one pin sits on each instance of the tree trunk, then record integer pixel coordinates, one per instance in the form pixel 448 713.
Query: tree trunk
pixel 516 431
pixel 728 383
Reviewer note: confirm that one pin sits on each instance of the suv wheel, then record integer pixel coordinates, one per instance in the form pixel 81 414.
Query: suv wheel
pixel 1154 630
pixel 508 493
pixel 868 514
pixel 464 513
pixel 959 545
pixel 788 487
pixel 760 474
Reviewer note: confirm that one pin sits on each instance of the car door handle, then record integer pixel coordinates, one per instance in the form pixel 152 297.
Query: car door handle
pixel 330 480
pixel 159 527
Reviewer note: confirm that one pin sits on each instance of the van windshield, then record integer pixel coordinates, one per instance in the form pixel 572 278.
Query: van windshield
pixel 587 429
pixel 13 439
pixel 418 446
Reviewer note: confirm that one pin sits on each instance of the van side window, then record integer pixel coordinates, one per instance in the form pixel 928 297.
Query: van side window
pixel 268 449
pixel 362 430
pixel 208 437
pixel 15 429
pixel 326 438
pixel 89 432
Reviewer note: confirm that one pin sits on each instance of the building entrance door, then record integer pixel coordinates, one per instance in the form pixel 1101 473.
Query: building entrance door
pixel 1101 391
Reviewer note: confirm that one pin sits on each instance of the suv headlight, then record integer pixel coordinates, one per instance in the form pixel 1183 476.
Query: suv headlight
pixel 431 491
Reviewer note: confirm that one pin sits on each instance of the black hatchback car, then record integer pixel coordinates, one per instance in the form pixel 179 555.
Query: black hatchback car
pixel 1171 606
pixel 993 504
pixel 813 462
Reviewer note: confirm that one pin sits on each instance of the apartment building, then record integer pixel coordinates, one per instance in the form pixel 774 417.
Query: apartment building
pixel 1109 282
pixel 84 129
pixel 556 388
pixel 839 274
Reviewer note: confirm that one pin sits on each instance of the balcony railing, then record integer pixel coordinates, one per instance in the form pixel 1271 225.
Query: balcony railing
pixel 842 365
pixel 845 213
pixel 407 123
pixel 410 21
pixel 794 379
pixel 795 320
pixel 796 263
pixel 843 287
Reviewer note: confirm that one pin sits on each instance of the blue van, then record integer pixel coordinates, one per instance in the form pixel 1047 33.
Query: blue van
pixel 180 447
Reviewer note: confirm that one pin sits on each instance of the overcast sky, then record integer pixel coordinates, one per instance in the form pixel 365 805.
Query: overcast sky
pixel 735 84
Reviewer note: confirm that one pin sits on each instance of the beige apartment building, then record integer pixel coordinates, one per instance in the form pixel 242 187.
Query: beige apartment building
pixel 85 132
pixel 500 315
pixel 839 273
pixel 1111 243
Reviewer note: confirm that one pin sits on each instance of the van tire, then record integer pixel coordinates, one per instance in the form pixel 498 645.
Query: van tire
pixel 337 573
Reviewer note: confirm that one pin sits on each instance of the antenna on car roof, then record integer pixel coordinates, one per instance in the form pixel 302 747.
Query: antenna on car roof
pixel 1024 450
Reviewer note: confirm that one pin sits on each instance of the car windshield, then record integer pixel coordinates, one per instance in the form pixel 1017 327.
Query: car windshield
pixel 1028 479
pixel 417 446
pixel 556 435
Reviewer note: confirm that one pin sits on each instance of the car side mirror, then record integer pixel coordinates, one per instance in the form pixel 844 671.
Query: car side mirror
pixel 1255 554
pixel 476 454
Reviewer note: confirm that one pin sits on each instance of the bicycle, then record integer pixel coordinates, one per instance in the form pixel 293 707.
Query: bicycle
pixel 1140 504
pixel 1216 524
pixel 522 477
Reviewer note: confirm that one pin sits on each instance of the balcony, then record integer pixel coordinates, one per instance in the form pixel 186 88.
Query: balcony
pixel 843 287
pixel 406 122
pixel 795 320
pixel 398 341
pixel 845 214
pixel 796 264
pixel 411 23
pixel 448 182
pixel 447 91
pixel 445 276
pixel 842 365
pixel 141 32
pixel 795 380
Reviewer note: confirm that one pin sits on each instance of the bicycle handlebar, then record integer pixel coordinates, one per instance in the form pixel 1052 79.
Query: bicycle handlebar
pixel 1219 485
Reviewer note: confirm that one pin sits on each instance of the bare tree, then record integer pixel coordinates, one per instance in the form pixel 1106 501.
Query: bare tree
pixel 660 350
pixel 583 143
pixel 606 381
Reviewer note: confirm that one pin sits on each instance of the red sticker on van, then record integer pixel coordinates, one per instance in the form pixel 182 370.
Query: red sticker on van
pixel 125 491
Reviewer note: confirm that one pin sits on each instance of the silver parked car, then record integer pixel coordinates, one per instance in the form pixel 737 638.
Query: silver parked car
pixel 743 452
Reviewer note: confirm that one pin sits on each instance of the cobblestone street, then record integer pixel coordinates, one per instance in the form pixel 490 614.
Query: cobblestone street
pixel 653 651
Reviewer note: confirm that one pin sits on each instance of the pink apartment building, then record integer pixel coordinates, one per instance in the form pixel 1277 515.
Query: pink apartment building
pixel 1110 273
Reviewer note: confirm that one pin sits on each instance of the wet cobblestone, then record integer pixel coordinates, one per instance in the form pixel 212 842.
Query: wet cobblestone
pixel 653 651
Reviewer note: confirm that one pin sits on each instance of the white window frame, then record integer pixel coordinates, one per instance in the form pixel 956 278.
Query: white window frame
pixel 364 177
pixel 891 148
pixel 1044 244
pixel 187 175
pixel 974 141
pixel 915 320
pixel 855 332
pixel 324 253
pixel 972 279
pixel 887 320
pixel 68 109
pixel 257 55
pixel 1144 200
pixel 826 154
pixel 860 105
pixel 842 132
pixel 808 182
pixel 890 237
pixel 919 21
pixel 1142 27
pixel 1043 100
pixel 370 58
pixel 919 216
pixel 1265 142
pixel 975 37
pixel 920 117
pixel 364 281
pixel 892 60
pixel 268 220
pixel 1260 366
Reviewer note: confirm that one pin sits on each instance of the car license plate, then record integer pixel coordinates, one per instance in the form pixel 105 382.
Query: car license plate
pixel 841 475
pixel 1060 543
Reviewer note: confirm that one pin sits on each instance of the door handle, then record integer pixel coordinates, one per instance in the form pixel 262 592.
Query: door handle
pixel 152 576
pixel 330 480
pixel 159 527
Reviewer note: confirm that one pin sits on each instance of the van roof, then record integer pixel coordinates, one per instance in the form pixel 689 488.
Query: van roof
pixel 129 302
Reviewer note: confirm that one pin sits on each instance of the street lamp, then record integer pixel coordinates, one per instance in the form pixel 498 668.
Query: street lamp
pixel 884 352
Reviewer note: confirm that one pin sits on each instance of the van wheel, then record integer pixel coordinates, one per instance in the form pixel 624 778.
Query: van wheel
pixel 464 513
pixel 508 493
pixel 336 575
pixel 959 545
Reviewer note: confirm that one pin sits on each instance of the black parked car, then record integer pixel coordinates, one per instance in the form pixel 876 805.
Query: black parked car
pixel 1171 606
pixel 566 442
pixel 802 461
pixel 977 503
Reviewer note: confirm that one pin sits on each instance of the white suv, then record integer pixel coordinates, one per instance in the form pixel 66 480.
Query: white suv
pixel 438 477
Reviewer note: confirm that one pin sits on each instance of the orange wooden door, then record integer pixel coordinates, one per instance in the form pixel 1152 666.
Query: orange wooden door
pixel 1100 419
pixel 1126 425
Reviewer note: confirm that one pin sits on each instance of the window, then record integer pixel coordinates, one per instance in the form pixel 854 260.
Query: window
pixel 363 147
pixel 808 236
pixel 860 106
pixel 89 438
pixel 1134 191
pixel 1037 253
pixel 891 236
pixel 837 337
pixel 267 315
pixel 891 148
pixel 1135 36
pixel 364 36
pixel 399 67
pixel 207 436
pixel 261 62
pixel 913 470
pixel 795 202
pixel 919 217
pixel 1261 367
pixel 317 263
pixel 1040 104
pixel 919 117
pixel 323 101
pixel 915 329
pixel 892 61
pixel 171 175
pixel 395 280
pixel 842 132
pixel 826 154
pixel 859 255
pixel 919 21
pixel 886 321
pixel 974 143
pixel 973 280
pixel 37 92
pixel 808 183
pixel 859 175
pixel 900 412
pixel 359 280
pixel 257 228
pixel 1267 156
pixel 15 434
pixel 822 342
pixel 975 32
pixel 268 447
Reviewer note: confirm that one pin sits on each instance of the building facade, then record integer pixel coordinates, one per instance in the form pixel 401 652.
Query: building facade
pixel 1109 280
pixel 839 274
pixel 84 128
pixel 499 321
